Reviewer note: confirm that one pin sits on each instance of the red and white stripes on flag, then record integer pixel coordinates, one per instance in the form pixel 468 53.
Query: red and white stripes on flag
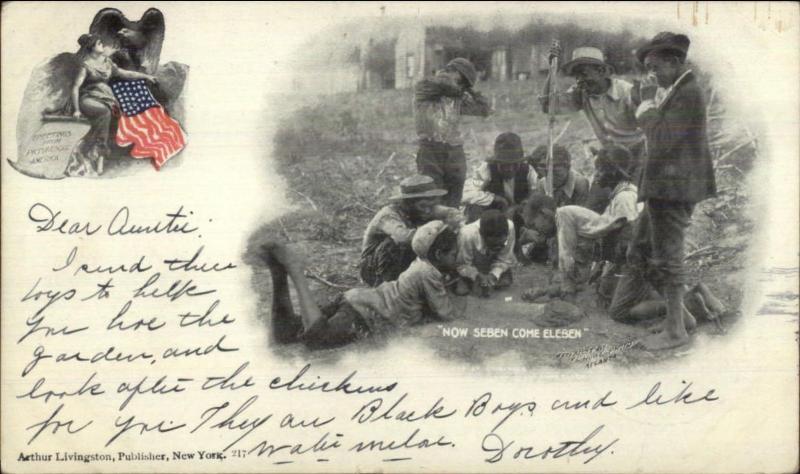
pixel 153 134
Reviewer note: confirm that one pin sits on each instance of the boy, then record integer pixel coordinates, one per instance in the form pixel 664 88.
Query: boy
pixel 440 102
pixel 417 295
pixel 386 248
pixel 677 173
pixel 504 181
pixel 569 186
pixel 485 254
pixel 579 228
pixel 608 103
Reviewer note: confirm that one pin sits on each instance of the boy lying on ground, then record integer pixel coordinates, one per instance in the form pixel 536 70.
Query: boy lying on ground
pixel 386 249
pixel 485 254
pixel 418 294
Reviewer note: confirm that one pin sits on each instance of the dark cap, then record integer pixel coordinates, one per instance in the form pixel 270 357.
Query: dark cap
pixel 665 41
pixel 507 149
pixel 614 157
pixel 466 68
pixel 493 222
pixel 539 203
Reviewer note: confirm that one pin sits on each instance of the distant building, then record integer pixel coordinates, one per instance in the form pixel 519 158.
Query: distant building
pixel 419 53
pixel 415 52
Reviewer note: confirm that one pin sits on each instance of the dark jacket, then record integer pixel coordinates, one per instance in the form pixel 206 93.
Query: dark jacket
pixel 521 186
pixel 678 166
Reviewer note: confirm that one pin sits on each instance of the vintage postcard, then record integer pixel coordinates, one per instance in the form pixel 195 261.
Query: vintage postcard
pixel 400 237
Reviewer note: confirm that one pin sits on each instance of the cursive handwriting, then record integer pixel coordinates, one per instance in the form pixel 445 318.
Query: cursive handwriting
pixel 56 425
pixel 177 223
pixel 49 220
pixel 493 443
pixel 111 354
pixel 684 396
pixel 139 266
pixel 343 386
pixel 411 442
pixel 231 422
pixel 191 265
pixel 371 411
pixel 162 426
pixel 34 393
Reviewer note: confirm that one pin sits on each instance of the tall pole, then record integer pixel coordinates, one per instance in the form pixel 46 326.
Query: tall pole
pixel 552 76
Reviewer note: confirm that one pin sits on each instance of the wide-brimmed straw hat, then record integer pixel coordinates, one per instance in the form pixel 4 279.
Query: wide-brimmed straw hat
pixel 418 186
pixel 586 55
pixel 507 149
pixel 665 41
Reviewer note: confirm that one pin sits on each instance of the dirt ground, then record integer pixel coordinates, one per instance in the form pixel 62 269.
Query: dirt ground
pixel 360 149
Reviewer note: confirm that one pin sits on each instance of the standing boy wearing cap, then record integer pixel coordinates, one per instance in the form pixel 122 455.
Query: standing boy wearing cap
pixel 386 249
pixel 608 103
pixel 677 173
pixel 486 254
pixel 418 295
pixel 440 102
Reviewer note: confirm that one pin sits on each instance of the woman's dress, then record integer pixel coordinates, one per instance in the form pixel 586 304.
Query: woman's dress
pixel 97 103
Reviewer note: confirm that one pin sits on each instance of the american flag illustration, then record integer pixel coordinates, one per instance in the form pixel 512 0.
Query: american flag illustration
pixel 144 124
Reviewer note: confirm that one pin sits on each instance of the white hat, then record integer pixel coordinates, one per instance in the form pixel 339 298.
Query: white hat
pixel 425 236
pixel 586 55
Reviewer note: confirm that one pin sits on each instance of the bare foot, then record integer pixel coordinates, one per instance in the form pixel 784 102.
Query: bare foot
pixel 665 340
pixel 714 305
pixel 689 322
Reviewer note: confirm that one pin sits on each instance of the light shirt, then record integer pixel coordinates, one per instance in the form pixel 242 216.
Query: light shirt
pixel 438 106
pixel 391 221
pixel 577 225
pixel 611 114
pixel 473 254
pixel 573 191
pixel 475 188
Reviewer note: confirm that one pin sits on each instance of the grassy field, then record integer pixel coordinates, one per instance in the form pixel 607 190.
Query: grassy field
pixel 343 155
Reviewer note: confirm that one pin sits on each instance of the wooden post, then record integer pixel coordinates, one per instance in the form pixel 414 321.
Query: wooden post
pixel 552 78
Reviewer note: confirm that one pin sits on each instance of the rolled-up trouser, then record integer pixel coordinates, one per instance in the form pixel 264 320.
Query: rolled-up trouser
pixel 655 255
pixel 447 165
pixel 385 261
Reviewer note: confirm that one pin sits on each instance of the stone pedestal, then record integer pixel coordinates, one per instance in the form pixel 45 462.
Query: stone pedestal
pixel 46 153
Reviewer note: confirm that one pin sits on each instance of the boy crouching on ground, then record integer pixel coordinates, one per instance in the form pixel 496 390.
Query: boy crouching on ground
pixel 386 249
pixel 580 229
pixel 485 254
pixel 418 294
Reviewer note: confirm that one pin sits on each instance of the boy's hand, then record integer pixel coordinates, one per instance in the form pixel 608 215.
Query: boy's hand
pixel 483 280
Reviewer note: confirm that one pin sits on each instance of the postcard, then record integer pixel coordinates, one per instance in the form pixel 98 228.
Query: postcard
pixel 400 237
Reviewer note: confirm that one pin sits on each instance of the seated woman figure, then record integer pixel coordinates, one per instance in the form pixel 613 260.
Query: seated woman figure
pixel 92 97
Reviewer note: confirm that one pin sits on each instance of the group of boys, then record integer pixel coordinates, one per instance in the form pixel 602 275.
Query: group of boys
pixel 422 248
